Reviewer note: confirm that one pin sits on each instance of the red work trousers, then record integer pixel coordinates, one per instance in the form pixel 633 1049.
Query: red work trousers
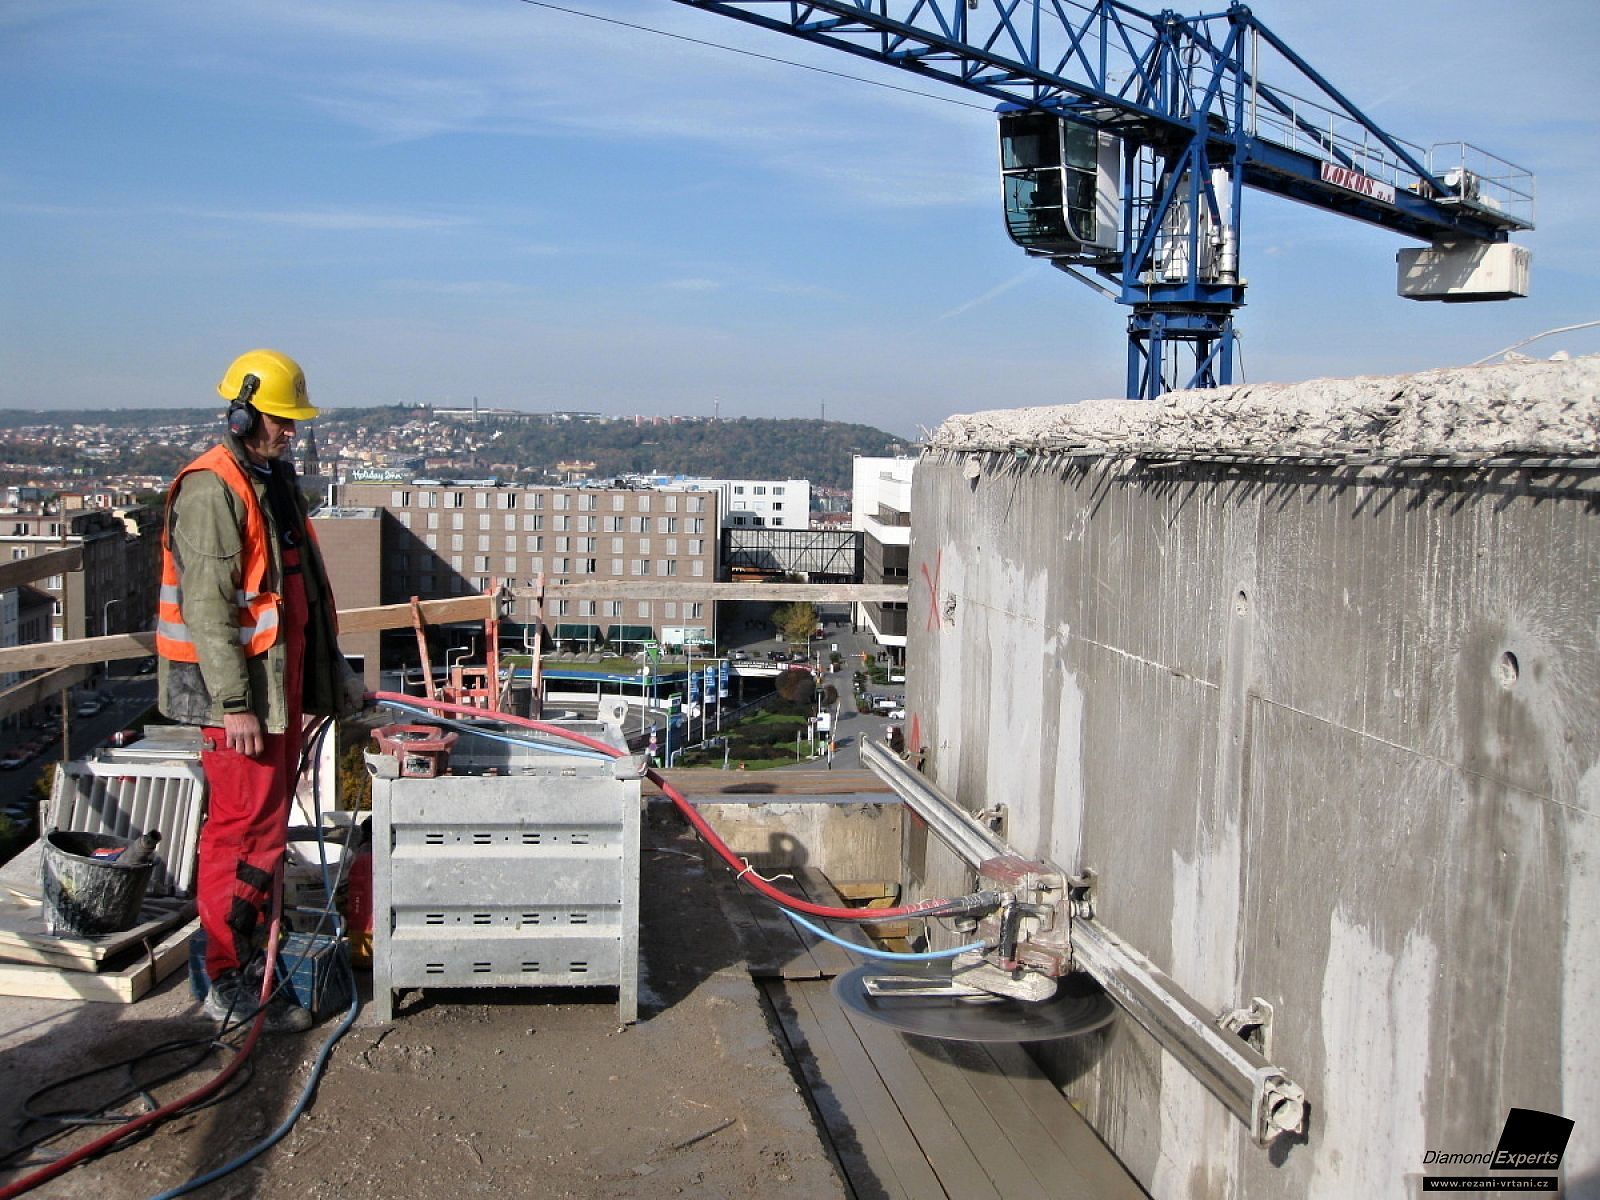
pixel 247 809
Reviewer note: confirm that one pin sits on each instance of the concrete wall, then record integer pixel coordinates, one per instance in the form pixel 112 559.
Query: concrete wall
pixel 1331 737
pixel 844 838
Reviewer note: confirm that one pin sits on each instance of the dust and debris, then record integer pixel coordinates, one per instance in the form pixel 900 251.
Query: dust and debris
pixel 1516 407
pixel 531 1093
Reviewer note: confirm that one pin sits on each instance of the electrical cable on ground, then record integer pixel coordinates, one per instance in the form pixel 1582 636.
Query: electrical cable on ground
pixel 207 1091
pixel 110 1138
pixel 321 1061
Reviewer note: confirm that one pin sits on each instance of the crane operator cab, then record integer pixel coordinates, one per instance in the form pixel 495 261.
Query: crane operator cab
pixel 1062 183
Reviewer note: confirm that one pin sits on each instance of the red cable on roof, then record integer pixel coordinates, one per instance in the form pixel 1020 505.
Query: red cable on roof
pixel 699 823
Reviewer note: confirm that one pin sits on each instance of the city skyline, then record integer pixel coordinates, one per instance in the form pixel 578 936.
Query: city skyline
pixel 441 201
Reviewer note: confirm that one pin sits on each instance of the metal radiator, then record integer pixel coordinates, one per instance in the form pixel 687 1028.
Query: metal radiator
pixel 126 799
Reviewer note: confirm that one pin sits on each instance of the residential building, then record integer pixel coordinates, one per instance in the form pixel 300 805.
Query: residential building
pixel 351 542
pixel 450 538
pixel 83 601
pixel 759 503
pixel 881 512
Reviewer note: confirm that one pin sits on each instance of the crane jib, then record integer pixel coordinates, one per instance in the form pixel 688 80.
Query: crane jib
pixel 1182 114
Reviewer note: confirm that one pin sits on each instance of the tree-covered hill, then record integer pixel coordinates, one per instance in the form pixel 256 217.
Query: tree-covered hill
pixel 88 444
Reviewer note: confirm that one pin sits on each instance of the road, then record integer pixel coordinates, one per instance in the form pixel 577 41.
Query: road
pixel 748 627
pixel 129 698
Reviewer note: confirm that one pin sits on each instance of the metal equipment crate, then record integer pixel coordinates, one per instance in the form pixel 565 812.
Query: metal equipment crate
pixel 520 868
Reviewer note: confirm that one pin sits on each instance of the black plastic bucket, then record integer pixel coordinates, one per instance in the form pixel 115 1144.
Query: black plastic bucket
pixel 85 895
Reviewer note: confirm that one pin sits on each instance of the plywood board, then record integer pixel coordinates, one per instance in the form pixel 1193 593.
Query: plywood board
pixel 111 987
pixel 23 938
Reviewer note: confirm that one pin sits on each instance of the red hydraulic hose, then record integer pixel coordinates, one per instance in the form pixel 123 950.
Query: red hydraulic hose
pixel 701 826
pixel 110 1138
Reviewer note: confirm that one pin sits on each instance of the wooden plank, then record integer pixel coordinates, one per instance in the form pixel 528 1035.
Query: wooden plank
pixel 23 938
pixel 834 960
pixel 792 948
pixel 699 782
pixel 434 612
pixel 40 656
pixel 1038 1140
pixel 864 891
pixel 895 1160
pixel 111 987
pixel 848 1148
pixel 1103 1175
pixel 771 944
pixel 817 593
pixel 954 1081
pixel 40 566
pixel 91 652
pixel 942 1140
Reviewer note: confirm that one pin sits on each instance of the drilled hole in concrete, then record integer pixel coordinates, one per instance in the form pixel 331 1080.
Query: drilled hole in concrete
pixel 1241 603
pixel 1507 670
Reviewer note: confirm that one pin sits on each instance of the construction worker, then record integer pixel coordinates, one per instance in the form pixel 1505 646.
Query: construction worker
pixel 248 646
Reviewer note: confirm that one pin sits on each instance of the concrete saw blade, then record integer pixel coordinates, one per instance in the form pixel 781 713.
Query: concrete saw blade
pixel 1078 1007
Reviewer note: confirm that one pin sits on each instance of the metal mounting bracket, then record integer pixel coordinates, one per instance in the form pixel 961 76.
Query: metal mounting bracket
pixel 994 817
pixel 1252 1025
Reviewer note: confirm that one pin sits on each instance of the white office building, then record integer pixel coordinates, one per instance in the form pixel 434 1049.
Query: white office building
pixel 880 509
pixel 758 503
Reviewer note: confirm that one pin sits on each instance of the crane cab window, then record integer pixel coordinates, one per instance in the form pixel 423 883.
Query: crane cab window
pixel 1050 173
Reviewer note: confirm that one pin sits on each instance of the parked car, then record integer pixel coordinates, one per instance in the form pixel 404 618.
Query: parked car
pixel 737 656
pixel 89 707
pixel 884 704
pixel 896 714
pixel 125 737
pixel 147 666
pixel 12 759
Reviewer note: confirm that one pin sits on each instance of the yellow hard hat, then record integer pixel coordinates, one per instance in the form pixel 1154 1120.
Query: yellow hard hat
pixel 279 389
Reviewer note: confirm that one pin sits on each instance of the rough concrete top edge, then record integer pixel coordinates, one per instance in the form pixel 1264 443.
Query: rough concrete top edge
pixel 1527 407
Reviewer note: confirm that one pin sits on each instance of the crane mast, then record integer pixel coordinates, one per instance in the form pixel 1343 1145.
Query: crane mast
pixel 1127 140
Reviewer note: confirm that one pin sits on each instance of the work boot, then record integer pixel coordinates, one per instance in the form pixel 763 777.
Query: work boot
pixel 232 1000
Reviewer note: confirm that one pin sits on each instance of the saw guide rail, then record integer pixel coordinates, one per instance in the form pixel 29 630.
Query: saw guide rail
pixel 1046 928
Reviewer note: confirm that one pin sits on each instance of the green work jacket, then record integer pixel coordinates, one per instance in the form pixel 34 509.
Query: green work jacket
pixel 207 540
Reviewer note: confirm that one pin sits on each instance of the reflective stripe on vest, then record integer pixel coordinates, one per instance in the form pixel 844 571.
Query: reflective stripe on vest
pixel 258 621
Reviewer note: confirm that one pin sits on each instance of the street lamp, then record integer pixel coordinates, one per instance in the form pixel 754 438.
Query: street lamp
pixel 105 626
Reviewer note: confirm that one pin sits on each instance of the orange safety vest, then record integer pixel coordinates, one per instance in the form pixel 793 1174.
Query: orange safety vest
pixel 259 623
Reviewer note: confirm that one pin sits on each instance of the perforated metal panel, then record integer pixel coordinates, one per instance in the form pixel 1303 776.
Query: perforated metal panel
pixel 524 878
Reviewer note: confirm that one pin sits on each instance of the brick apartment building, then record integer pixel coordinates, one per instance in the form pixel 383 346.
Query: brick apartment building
pixel 114 591
pixel 450 538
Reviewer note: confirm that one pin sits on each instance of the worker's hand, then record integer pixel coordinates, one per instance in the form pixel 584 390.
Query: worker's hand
pixel 244 733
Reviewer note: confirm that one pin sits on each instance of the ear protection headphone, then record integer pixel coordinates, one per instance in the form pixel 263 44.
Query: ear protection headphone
pixel 241 413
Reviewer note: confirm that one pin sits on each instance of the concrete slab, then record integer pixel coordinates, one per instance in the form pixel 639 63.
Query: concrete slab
pixel 499 1093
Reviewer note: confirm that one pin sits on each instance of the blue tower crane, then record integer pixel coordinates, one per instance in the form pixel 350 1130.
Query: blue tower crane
pixel 1127 138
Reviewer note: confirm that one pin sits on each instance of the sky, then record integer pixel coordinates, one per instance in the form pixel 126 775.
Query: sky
pixel 431 201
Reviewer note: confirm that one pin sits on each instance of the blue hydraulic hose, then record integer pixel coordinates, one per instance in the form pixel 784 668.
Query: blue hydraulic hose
pixel 273 1138
pixel 547 747
pixel 927 956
